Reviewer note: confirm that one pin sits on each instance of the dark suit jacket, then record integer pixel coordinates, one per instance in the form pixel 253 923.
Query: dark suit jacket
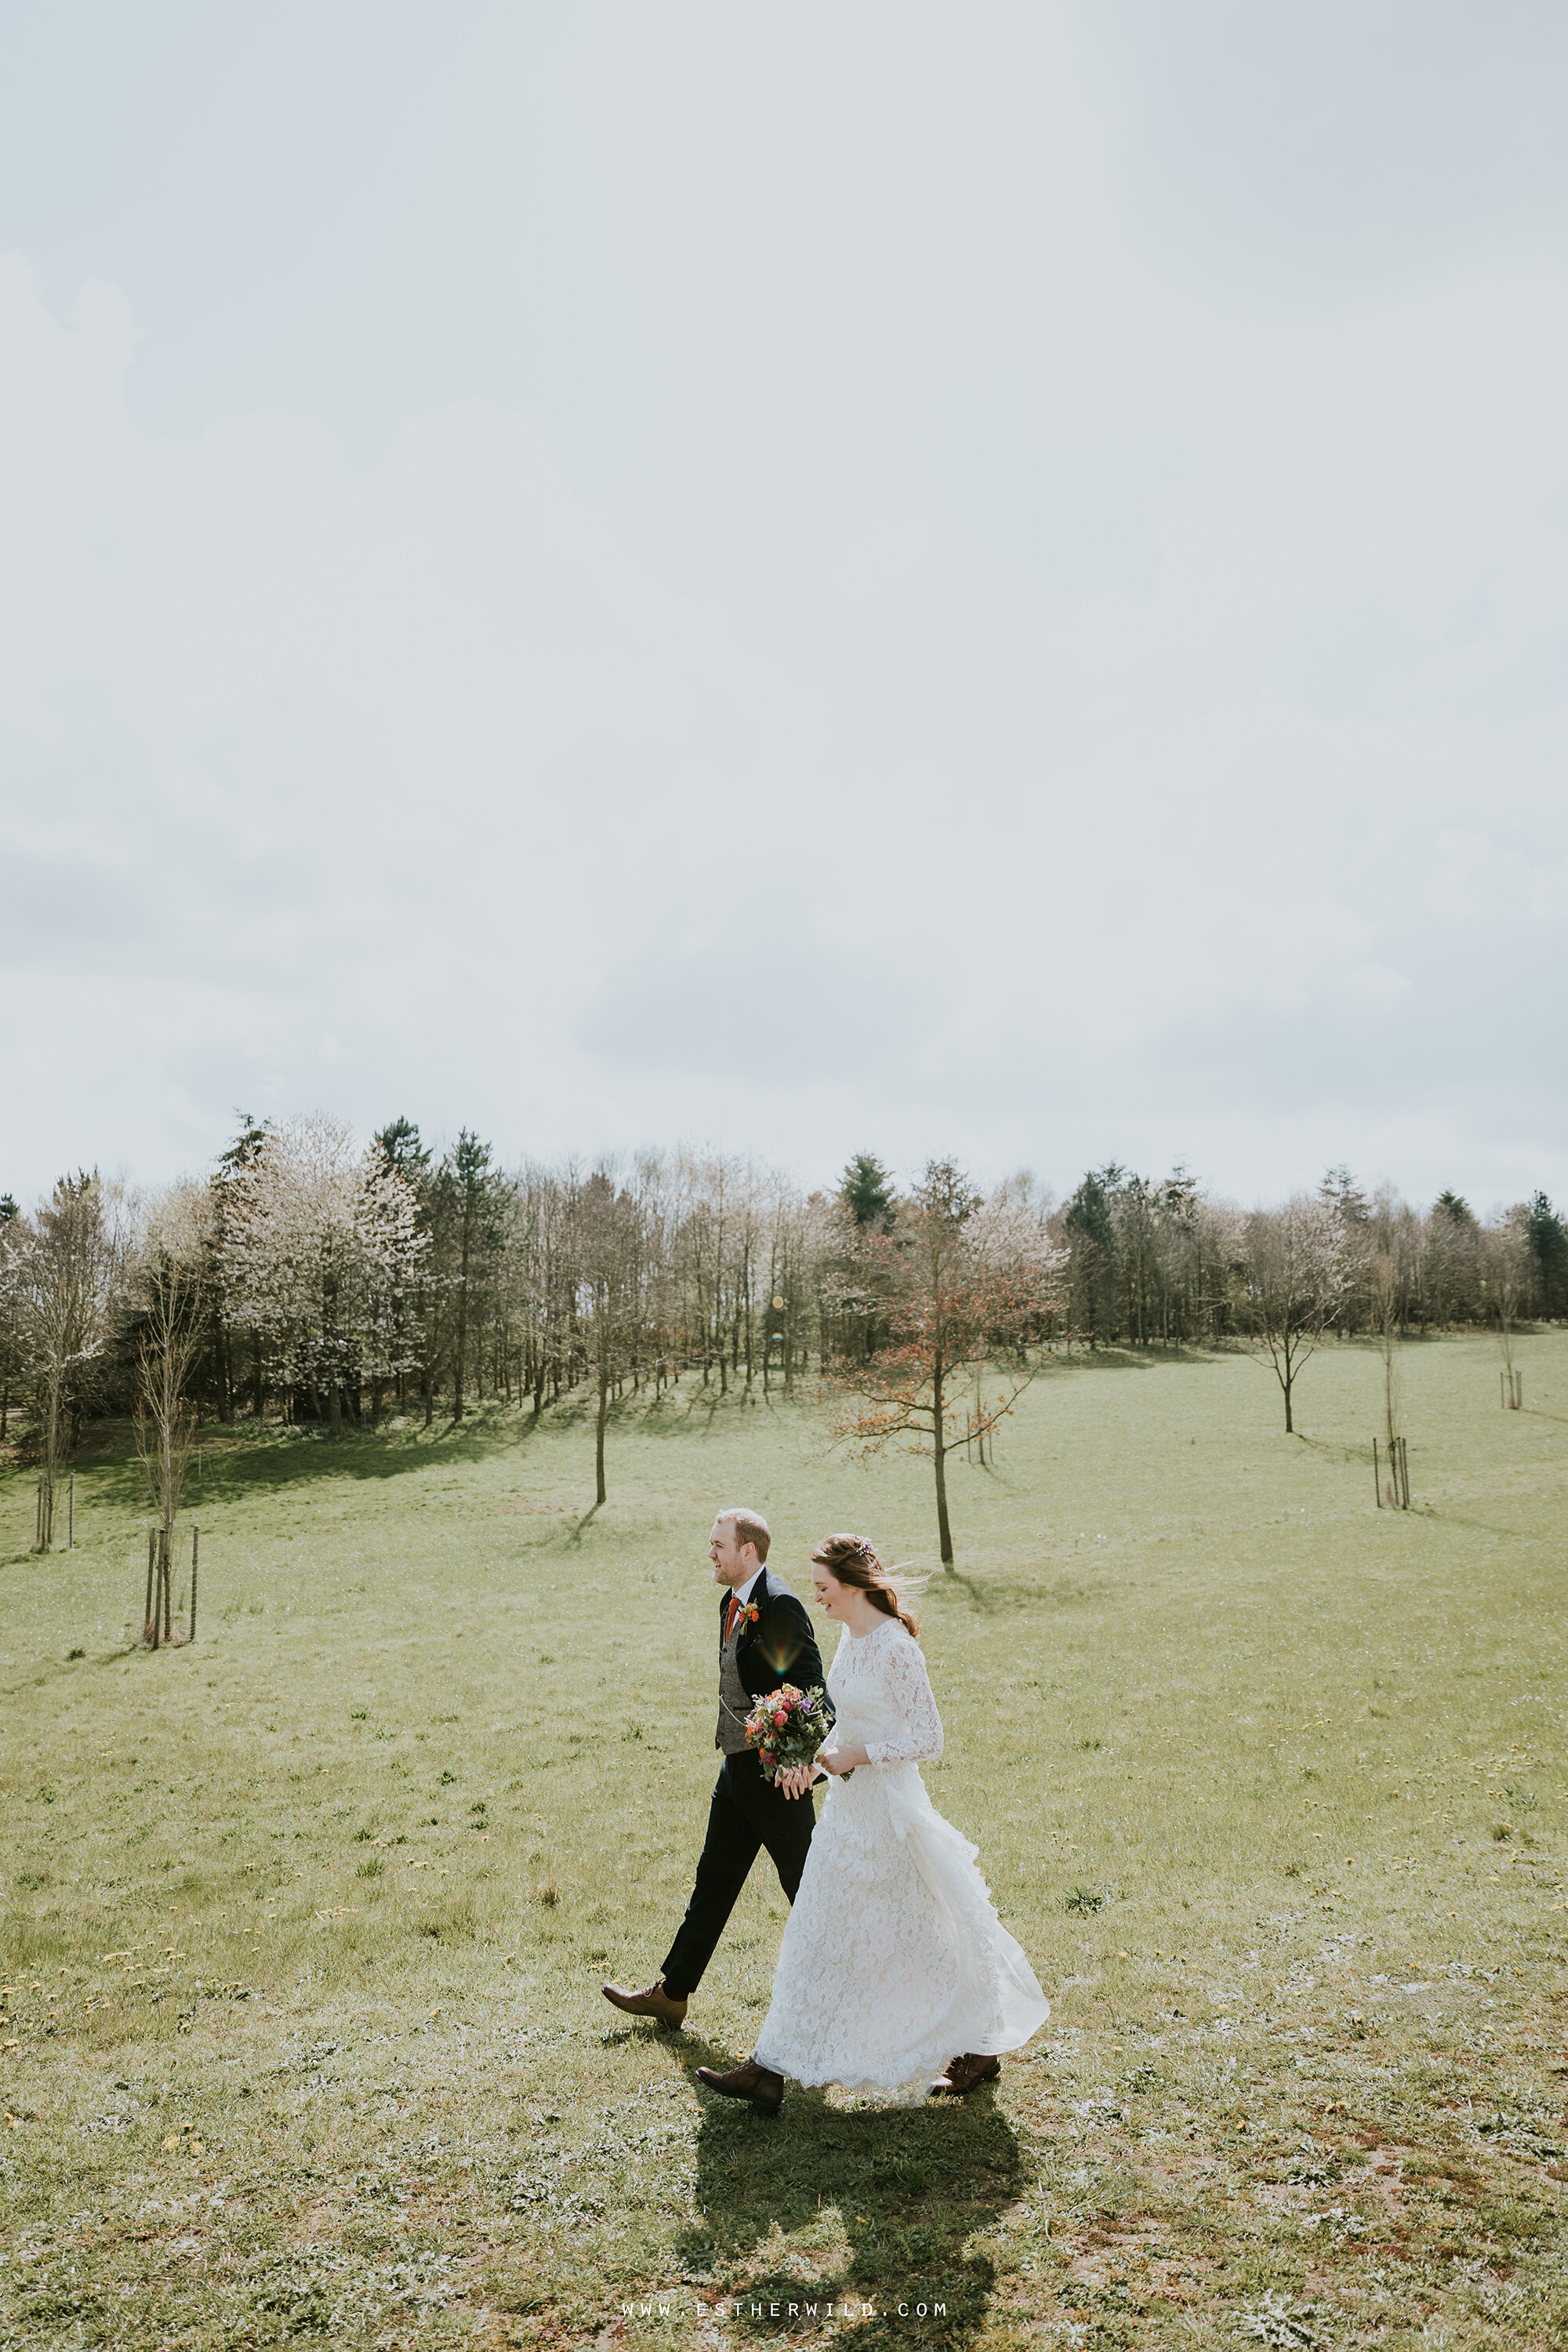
pixel 780 1647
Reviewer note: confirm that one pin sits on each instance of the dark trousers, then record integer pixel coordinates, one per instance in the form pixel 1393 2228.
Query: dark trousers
pixel 747 1812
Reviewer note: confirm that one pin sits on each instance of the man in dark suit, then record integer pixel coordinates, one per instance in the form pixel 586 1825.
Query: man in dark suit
pixel 764 1639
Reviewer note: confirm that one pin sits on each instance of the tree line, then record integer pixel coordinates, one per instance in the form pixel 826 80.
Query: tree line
pixel 313 1280
pixel 1161 1262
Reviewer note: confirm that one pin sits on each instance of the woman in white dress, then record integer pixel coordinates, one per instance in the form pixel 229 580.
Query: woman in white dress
pixel 893 1956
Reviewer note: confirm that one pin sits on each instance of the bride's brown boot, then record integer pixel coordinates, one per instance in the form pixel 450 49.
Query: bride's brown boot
pixel 749 2081
pixel 963 2073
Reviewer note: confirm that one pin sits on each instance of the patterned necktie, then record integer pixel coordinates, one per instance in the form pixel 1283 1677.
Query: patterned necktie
pixel 734 1613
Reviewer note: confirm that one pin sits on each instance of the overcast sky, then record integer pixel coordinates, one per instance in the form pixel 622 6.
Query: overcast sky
pixel 915 578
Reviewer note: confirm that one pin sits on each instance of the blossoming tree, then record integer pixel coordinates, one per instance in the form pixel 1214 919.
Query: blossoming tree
pixel 319 1242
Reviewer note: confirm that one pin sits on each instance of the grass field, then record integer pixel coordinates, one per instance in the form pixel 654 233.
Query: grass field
pixel 305 1925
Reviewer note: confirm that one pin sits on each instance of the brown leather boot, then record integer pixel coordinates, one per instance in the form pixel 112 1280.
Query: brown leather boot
pixel 963 2073
pixel 747 2081
pixel 654 2002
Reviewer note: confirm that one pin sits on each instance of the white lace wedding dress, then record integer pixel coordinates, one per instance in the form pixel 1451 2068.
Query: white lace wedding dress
pixel 893 1959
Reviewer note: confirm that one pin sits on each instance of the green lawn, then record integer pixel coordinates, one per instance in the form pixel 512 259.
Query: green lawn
pixel 305 1926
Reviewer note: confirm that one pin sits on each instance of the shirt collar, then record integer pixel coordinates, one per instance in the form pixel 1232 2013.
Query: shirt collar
pixel 742 1592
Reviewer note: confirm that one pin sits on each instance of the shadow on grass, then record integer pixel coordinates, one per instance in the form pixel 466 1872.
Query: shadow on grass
pixel 953 1580
pixel 233 1460
pixel 1119 1357
pixel 1344 1454
pixel 912 2188
pixel 674 1415
pixel 1063 1590
pixel 236 1460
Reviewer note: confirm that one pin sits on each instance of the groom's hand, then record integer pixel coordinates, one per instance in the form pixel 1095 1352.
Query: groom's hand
pixel 797 1780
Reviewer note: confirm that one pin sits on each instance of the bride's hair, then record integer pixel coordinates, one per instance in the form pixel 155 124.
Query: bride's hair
pixel 849 1560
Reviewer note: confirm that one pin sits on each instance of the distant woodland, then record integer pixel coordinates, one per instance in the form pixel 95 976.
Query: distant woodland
pixel 314 1280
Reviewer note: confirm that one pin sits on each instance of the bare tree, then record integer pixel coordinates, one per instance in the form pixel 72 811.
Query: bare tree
pixel 607 1227
pixel 169 1298
pixel 13 1350
pixel 799 1236
pixel 1385 1290
pixel 1294 1273
pixel 67 1262
pixel 966 1283
pixel 546 1278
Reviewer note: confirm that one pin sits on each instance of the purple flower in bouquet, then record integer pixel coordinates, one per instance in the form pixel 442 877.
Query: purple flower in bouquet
pixel 788 1726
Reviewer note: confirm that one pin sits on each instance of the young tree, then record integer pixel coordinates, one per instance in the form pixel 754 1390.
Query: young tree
pixel 1506 1284
pixel 1294 1273
pixel 168 1302
pixel 1387 1310
pixel 320 1242
pixel 967 1282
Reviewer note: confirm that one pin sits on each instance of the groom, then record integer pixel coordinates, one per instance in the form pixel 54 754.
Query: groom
pixel 764 1639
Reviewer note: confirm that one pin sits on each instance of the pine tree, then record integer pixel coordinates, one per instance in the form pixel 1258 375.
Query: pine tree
pixel 1548 1245
pixel 866 1189
pixel 1090 1225
pixel 469 1192
pixel 399 1146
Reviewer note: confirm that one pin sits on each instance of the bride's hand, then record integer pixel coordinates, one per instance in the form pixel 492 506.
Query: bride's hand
pixel 839 1761
pixel 797 1780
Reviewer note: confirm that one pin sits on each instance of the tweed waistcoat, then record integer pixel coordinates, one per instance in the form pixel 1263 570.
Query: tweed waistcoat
pixel 735 1699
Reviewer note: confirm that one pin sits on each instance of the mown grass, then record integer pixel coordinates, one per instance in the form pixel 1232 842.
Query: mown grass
pixel 305 1925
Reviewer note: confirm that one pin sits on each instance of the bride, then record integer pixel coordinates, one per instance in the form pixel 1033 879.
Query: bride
pixel 893 1956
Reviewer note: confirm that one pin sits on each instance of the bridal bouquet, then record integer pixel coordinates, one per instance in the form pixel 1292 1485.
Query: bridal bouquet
pixel 788 1726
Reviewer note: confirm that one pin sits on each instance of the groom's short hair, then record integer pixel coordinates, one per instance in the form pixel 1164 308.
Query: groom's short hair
pixel 751 1527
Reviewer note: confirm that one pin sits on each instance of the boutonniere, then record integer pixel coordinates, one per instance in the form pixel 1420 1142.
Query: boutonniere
pixel 750 1612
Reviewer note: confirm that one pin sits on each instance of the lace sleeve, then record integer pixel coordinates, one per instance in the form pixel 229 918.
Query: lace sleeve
pixel 909 1684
